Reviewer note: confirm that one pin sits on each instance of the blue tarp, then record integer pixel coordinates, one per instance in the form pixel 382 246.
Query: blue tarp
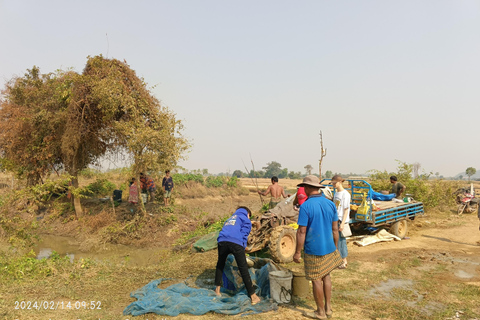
pixel 382 197
pixel 181 298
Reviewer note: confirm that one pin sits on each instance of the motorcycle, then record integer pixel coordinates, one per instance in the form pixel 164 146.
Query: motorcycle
pixel 466 200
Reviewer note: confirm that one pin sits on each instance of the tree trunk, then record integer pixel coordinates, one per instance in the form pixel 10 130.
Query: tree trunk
pixel 323 153
pixel 76 200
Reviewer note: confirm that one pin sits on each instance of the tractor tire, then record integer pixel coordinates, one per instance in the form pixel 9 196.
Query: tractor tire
pixel 399 229
pixel 283 243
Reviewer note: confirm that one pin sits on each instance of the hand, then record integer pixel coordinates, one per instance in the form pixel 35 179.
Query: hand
pixel 297 257
pixel 340 228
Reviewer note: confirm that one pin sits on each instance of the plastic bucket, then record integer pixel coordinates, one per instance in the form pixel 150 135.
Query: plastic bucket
pixel 300 285
pixel 280 286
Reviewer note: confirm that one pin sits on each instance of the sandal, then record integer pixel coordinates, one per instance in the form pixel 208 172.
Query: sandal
pixel 342 266
pixel 313 315
pixel 329 314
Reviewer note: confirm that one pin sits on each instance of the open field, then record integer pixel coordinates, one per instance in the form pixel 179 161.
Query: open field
pixel 435 274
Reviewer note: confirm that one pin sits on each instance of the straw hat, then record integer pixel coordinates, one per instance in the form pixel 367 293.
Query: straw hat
pixel 312 181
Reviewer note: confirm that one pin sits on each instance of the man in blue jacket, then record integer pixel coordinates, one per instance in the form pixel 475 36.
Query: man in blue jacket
pixel 233 239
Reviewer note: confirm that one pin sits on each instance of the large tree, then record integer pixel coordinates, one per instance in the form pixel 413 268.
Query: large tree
pixel 72 120
pixel 470 171
pixel 272 169
pixel 308 168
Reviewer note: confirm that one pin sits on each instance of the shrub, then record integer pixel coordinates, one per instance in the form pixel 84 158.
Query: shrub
pixel 215 182
pixel 44 192
pixel 183 179
pixel 232 182
pixel 431 192
pixel 101 187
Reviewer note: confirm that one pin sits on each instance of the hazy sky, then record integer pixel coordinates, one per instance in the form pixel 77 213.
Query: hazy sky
pixel 383 80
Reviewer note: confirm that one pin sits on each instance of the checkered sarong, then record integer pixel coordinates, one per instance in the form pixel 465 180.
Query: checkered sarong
pixel 317 267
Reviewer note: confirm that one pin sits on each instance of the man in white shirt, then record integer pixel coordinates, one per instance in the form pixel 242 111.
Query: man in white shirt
pixel 342 200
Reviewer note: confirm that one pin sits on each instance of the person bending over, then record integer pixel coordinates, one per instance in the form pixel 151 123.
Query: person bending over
pixel 233 239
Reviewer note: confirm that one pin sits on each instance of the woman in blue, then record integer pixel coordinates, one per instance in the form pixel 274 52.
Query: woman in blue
pixel 233 239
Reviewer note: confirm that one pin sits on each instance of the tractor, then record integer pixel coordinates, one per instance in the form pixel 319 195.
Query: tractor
pixel 273 230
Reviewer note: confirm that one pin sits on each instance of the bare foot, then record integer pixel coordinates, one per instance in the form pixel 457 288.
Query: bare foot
pixel 217 291
pixel 255 299
pixel 314 315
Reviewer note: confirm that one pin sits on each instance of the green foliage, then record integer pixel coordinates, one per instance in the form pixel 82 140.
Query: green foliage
pixel 273 169
pixel 265 207
pixel 238 173
pixel 29 267
pixel 256 174
pixel 182 179
pixel 328 174
pixel 44 192
pixel 122 186
pixel 295 175
pixel 232 182
pixel 431 192
pixel 214 182
pixel 283 173
pixel 101 187
pixel 20 232
pixel 62 208
pixel 26 266
pixel 202 230
pixel 470 171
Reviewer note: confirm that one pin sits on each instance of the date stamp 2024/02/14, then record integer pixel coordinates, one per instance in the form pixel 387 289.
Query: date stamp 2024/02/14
pixel 57 305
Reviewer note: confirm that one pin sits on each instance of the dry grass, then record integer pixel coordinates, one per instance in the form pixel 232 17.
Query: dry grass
pixel 424 274
pixel 398 285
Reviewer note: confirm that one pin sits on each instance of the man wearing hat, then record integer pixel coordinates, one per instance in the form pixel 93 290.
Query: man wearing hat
pixel 317 234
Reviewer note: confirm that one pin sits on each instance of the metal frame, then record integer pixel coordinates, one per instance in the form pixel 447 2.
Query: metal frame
pixel 380 217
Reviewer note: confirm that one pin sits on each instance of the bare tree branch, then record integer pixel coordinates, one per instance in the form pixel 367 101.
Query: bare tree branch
pixel 323 153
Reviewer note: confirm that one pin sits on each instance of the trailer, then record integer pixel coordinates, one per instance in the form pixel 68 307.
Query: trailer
pixel 391 214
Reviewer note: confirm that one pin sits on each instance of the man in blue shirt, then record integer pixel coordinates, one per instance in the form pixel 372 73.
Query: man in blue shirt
pixel 233 239
pixel 317 234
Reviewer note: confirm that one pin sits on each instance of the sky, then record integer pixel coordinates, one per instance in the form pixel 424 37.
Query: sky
pixel 258 80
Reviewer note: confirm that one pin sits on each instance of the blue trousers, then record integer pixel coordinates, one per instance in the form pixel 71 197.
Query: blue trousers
pixel 342 246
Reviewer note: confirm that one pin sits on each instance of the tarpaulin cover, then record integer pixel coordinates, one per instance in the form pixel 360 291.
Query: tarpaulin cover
pixel 382 197
pixel 207 242
pixel 181 298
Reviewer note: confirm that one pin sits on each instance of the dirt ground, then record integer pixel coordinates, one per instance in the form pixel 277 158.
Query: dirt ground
pixel 420 277
pixel 432 274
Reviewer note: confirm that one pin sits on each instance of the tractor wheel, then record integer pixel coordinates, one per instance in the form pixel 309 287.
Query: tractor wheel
pixel 399 229
pixel 283 242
